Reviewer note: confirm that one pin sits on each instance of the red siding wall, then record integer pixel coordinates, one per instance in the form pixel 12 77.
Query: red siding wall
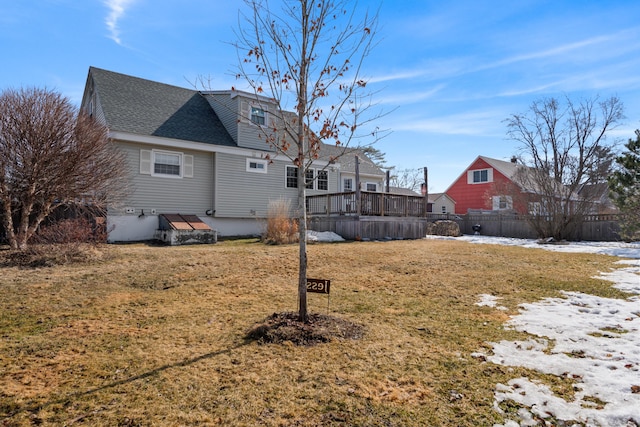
pixel 474 196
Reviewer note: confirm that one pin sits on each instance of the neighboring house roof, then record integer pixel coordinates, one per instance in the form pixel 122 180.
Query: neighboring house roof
pixel 144 107
pixel 435 196
pixel 599 192
pixel 507 169
pixel 431 197
pixel 405 192
pixel 347 159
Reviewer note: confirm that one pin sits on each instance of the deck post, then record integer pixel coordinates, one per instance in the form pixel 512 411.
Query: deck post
pixel 358 192
pixel 425 192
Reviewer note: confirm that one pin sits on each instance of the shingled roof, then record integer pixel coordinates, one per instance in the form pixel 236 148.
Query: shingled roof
pixel 144 107
pixel 347 159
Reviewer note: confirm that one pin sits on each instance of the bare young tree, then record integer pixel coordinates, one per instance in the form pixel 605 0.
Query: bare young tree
pixel 50 154
pixel 307 57
pixel 568 156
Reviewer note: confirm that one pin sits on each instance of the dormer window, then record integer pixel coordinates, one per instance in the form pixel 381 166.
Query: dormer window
pixel 479 176
pixel 258 116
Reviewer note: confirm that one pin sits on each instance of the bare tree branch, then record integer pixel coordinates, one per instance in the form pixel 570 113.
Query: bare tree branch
pixel 308 57
pixel 51 155
pixel 568 155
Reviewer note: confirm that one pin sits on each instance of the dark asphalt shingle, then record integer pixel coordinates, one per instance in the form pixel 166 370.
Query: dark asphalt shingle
pixel 145 107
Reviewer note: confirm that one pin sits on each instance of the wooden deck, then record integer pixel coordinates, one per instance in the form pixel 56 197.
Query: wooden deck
pixel 368 204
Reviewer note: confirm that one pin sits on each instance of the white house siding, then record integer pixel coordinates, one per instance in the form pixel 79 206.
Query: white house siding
pixel 234 113
pixel 364 179
pixel 164 194
pixel 227 227
pixel 131 228
pixel 443 201
pixel 251 136
pixel 243 194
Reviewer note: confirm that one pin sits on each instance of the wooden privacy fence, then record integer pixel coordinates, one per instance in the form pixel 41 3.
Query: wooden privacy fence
pixel 591 227
pixel 402 217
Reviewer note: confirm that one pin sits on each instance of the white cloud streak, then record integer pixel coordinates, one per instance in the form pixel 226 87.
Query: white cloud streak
pixel 117 9
pixel 474 123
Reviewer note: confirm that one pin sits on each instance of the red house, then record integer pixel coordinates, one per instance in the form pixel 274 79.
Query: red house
pixel 484 185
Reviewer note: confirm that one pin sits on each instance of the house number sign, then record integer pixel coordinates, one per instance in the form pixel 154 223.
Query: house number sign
pixel 320 286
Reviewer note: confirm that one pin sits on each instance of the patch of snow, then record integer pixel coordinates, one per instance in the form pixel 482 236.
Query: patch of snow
pixel 592 340
pixel 487 300
pixel 323 236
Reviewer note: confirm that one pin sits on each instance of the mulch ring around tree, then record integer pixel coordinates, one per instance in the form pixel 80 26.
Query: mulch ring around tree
pixel 285 327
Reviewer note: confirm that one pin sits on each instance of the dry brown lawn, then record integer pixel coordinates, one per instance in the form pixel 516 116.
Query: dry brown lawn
pixel 153 336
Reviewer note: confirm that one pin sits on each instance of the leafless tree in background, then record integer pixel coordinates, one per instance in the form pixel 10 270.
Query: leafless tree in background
pixel 50 155
pixel 567 153
pixel 407 178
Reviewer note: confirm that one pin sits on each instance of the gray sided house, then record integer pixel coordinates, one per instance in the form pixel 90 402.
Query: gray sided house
pixel 200 153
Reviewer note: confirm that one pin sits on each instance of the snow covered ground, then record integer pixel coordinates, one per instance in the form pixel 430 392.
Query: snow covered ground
pixel 593 340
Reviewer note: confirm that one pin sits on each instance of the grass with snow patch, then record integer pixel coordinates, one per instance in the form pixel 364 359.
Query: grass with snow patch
pixel 158 335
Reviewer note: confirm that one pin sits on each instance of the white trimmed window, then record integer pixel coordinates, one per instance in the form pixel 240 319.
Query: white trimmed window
pixel 371 186
pixel 309 174
pixel 347 184
pixel 479 176
pixel 314 180
pixel 257 165
pixel 258 116
pixel 291 179
pixel 168 164
pixel 535 208
pixel 323 180
pixel 502 203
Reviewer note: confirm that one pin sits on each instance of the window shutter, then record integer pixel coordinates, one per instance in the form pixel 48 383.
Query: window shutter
pixel 496 203
pixel 469 177
pixel 187 171
pixel 145 162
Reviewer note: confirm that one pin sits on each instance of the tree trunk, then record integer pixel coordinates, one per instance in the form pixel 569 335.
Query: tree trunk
pixel 303 315
pixel 7 220
pixel 303 145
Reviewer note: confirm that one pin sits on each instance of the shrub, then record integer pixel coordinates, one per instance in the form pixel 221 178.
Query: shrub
pixel 280 228
pixel 75 230
pixel 65 241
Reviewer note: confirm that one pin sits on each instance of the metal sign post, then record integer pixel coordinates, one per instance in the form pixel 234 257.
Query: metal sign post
pixel 320 286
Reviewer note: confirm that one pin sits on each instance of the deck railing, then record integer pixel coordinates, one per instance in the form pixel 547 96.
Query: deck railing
pixel 371 204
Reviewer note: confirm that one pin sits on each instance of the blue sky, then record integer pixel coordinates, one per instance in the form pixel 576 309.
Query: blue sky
pixel 449 72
